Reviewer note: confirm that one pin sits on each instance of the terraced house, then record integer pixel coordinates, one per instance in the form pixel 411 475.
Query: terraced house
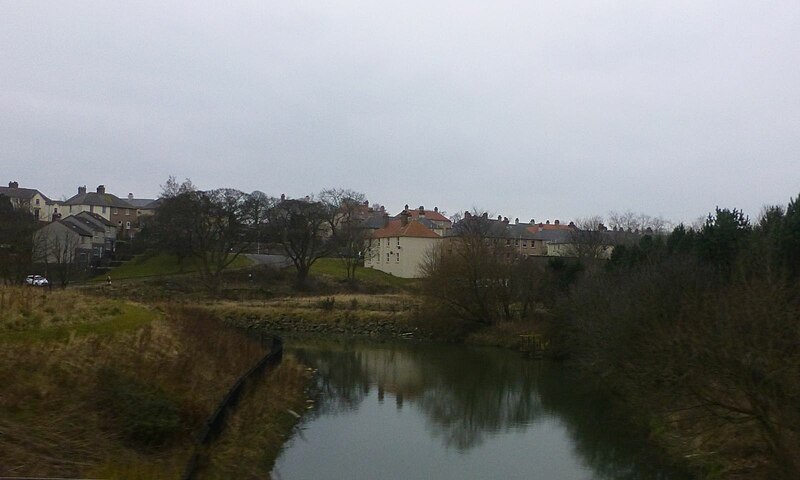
pixel 119 212
pixel 30 199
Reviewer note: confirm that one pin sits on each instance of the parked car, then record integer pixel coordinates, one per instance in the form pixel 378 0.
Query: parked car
pixel 36 281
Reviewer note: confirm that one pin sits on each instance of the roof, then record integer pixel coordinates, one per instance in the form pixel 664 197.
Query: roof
pixel 375 220
pixel 97 218
pixel 395 228
pixel 23 193
pixel 98 199
pixel 76 226
pixel 143 202
pixel 84 223
pixel 433 215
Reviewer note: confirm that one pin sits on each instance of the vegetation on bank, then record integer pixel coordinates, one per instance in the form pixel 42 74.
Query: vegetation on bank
pixel 103 388
pixel 697 331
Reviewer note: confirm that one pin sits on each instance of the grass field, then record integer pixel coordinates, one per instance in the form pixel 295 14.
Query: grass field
pixel 334 267
pixel 161 264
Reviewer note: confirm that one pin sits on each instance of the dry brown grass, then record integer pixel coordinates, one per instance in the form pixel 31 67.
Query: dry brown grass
pixel 256 432
pixel 53 421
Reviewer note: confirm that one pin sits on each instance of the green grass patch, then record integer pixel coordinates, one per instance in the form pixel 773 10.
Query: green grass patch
pixel 122 318
pixel 335 268
pixel 162 264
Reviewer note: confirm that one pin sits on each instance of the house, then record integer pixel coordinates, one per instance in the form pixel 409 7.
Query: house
pixel 401 247
pixel 86 238
pixel 112 208
pixel 64 242
pixel 144 206
pixel 35 201
pixel 430 218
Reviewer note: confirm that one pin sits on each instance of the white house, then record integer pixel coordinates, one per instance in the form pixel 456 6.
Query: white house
pixel 401 247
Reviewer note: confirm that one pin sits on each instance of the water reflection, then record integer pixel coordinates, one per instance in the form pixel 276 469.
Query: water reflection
pixel 468 395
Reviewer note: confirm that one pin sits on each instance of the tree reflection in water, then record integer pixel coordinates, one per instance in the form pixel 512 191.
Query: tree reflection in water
pixel 467 394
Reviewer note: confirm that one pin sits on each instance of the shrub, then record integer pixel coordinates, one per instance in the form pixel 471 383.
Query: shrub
pixel 143 414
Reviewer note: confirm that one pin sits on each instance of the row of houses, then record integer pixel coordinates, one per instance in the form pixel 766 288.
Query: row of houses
pixel 84 228
pixel 402 244
pixel 124 214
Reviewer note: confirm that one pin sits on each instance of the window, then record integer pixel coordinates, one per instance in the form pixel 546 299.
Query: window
pixel 37 201
pixel 127 211
pixel 398 257
pixel 398 241
pixel 115 211
pixel 387 257
pixel 104 209
pixel 127 225
pixel 524 243
pixel 516 242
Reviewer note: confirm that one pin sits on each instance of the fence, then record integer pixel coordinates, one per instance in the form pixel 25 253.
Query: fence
pixel 216 423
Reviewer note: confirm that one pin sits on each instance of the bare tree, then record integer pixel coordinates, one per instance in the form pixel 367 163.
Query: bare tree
pixel 589 241
pixel 345 213
pixel 301 227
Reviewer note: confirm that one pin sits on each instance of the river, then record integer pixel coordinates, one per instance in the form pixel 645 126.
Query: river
pixel 427 411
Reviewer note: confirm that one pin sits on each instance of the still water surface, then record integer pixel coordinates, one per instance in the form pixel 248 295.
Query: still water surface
pixel 422 411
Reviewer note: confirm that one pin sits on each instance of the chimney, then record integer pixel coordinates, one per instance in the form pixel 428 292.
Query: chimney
pixel 485 215
pixel 101 189
pixel 82 190
pixel 532 221
pixel 404 218
pixel 385 219
pixel 13 184
pixel 505 220
pixel 548 222
pixel 500 217
pixel 421 211
pixel 436 209
pixel 467 215
pixel 406 207
pixel 557 222
pixel 130 196
pixel 516 221
pixel 283 197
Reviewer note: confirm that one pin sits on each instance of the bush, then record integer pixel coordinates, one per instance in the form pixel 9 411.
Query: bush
pixel 143 414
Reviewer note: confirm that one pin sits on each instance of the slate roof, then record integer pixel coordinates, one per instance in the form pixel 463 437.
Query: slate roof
pixel 84 223
pixel 77 226
pixel 395 228
pixel 98 199
pixel 96 218
pixel 429 215
pixel 144 203
pixel 22 193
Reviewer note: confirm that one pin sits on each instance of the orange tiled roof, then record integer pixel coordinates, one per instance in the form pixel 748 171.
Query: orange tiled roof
pixel 395 228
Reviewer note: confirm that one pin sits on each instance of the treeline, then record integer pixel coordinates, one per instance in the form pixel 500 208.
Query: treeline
pixel 214 227
pixel 699 332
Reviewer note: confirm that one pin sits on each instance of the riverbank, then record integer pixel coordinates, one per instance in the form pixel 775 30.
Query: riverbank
pixel 108 388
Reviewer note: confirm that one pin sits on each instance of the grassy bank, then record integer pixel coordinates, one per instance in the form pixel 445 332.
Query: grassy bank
pixel 105 388
pixel 161 264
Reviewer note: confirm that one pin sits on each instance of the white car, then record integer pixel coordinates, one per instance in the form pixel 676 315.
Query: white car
pixel 36 281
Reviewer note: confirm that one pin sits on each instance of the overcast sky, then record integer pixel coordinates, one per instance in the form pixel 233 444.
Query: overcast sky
pixel 530 109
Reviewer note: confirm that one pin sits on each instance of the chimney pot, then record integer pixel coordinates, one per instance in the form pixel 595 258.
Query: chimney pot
pixel 406 207
pixel 436 209
pixel 557 222
pixel 130 196
pixel 101 189
pixel 516 221
pixel 499 217
pixel 13 184
pixel 82 190
pixel 548 222
pixel 532 221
